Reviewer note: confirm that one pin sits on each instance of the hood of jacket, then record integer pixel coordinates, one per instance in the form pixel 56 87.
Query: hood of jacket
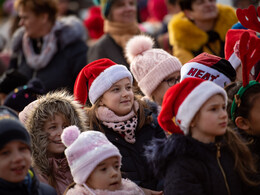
pixel 69 30
pixel 187 35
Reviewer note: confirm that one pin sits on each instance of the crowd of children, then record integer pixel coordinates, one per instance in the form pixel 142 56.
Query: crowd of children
pixel 152 126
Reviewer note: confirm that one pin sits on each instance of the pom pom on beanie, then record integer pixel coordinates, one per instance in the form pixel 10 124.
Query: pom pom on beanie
pixel 138 45
pixel 69 135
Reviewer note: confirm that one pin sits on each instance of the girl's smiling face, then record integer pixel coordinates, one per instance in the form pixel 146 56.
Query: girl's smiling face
pixel 15 160
pixel 54 127
pixel 119 98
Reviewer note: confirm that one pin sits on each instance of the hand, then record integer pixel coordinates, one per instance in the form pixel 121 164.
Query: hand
pixel 151 192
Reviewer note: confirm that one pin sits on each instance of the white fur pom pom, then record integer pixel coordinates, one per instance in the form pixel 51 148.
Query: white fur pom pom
pixel 137 45
pixel 69 135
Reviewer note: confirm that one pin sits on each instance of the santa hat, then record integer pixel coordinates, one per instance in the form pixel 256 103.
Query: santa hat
pixel 209 67
pixel 96 78
pixel 231 45
pixel 149 66
pixel 183 100
pixel 85 151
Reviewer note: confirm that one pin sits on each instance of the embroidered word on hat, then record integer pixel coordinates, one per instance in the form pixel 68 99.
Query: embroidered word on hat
pixel 195 72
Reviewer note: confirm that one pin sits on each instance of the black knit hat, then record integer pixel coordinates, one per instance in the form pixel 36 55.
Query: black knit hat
pixel 11 128
pixel 23 95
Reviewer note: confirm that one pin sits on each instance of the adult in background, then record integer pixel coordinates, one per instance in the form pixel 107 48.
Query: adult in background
pixel 200 27
pixel 52 50
pixel 119 26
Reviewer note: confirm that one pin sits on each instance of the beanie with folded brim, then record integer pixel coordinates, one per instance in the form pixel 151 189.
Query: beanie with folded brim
pixel 183 100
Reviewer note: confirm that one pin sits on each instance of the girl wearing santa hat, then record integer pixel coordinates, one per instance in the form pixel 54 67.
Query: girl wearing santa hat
pixel 202 156
pixel 125 120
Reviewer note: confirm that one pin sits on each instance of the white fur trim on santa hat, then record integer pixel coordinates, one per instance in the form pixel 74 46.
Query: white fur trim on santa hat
pixel 204 72
pixel 193 102
pixel 106 79
pixel 234 61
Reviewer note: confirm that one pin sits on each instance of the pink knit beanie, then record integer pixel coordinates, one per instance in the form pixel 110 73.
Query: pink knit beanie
pixel 149 66
pixel 85 151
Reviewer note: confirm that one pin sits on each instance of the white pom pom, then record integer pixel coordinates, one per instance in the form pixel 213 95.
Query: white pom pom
pixel 137 45
pixel 69 135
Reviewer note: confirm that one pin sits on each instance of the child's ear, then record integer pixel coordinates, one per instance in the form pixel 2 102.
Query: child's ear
pixel 242 123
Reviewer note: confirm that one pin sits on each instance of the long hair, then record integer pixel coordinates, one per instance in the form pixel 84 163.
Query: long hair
pixel 244 161
pixel 93 122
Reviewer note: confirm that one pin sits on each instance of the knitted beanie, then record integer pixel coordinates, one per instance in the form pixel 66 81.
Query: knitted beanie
pixel 21 96
pixel 11 129
pixel 105 6
pixel 231 45
pixel 97 77
pixel 183 100
pixel 209 67
pixel 149 66
pixel 85 151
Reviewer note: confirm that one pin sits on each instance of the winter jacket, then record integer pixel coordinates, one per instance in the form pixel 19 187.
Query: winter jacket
pixel 192 167
pixel 134 164
pixel 30 186
pixel 106 47
pixel 189 41
pixel 128 188
pixel 70 58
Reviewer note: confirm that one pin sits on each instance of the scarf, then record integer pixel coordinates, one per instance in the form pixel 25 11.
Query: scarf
pixel 124 125
pixel 49 48
pixel 121 32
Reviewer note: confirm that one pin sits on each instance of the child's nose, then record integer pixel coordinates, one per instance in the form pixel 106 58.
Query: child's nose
pixel 17 156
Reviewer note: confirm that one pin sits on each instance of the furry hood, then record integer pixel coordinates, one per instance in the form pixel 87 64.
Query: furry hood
pixel 128 188
pixel 69 29
pixel 45 107
pixel 161 151
pixel 187 35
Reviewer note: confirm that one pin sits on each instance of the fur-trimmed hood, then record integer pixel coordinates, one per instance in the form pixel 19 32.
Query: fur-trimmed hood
pixel 45 107
pixel 187 35
pixel 128 188
pixel 69 29
pixel 161 151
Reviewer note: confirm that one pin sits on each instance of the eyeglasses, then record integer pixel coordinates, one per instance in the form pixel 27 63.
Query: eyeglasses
pixel 172 81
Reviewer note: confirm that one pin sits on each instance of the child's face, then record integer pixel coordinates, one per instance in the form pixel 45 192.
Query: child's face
pixel 119 98
pixel 106 175
pixel 15 160
pixel 254 116
pixel 54 128
pixel 211 120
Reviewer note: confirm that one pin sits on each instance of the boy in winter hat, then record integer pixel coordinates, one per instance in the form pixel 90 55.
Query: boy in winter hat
pixel 155 70
pixel 95 164
pixel 16 176
pixel 209 67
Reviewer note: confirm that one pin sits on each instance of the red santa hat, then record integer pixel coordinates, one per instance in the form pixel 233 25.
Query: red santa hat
pixel 183 100
pixel 97 77
pixel 209 67
pixel 232 43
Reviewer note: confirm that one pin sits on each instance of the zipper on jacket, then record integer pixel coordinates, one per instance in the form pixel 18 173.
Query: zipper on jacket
pixel 221 168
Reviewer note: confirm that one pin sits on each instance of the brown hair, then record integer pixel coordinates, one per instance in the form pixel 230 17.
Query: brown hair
pixel 93 122
pixel 39 7
pixel 244 161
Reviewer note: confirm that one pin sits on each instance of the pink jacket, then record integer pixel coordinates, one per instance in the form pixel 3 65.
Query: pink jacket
pixel 128 188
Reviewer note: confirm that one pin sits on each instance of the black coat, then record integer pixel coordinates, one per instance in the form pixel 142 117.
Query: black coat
pixel 106 47
pixel 63 68
pixel 37 188
pixel 134 164
pixel 191 167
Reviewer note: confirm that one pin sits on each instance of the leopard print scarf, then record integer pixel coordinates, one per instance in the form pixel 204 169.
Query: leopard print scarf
pixel 124 125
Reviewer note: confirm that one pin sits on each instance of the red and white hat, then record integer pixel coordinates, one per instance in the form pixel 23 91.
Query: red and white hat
pixel 183 100
pixel 231 45
pixel 209 67
pixel 97 77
